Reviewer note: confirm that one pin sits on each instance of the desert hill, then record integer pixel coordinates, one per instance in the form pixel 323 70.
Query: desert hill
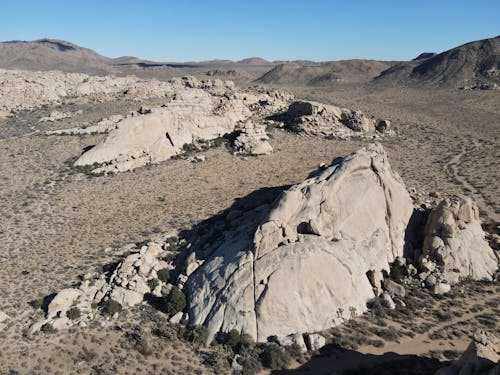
pixel 473 63
pixel 51 54
pixel 326 73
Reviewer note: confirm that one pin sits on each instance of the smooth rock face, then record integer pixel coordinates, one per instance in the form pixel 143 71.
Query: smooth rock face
pixel 303 269
pixel 455 241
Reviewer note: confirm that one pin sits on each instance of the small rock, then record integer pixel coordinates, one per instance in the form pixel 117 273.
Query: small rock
pixel 176 319
pixel 314 341
pixel 3 317
pixel 441 288
pixel 387 301
pixel 235 366
pixel 394 288
pixel 430 281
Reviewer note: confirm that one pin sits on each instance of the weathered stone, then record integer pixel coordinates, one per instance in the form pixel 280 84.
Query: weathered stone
pixel 3 317
pixel 387 300
pixel 455 241
pixel 294 276
pixel 394 289
pixel 441 288
pixel 314 341
pixel 63 301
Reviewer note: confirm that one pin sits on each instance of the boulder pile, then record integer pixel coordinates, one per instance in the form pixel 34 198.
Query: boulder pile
pixel 252 139
pixel 145 271
pixel 327 120
pixel 454 246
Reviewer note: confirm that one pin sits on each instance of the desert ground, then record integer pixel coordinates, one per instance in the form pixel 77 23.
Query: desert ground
pixel 59 224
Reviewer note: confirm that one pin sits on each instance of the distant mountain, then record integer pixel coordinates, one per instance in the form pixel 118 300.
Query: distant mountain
pixel 50 54
pixel 349 71
pixel 254 61
pixel 469 64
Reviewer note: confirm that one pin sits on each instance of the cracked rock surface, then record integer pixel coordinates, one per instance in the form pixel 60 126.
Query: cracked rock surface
pixel 300 265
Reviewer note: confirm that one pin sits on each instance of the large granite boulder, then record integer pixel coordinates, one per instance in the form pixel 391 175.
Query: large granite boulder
pixel 303 266
pixel 455 242
pixel 161 133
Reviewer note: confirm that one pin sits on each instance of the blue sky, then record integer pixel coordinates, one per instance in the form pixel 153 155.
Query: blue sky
pixel 276 30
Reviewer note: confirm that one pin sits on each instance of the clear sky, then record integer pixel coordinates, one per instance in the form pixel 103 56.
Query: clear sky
pixel 184 30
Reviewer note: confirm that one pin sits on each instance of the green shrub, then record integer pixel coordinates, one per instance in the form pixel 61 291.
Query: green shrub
pixel 111 307
pixel 251 365
pixel 165 331
pixel 196 334
pixel 48 328
pixel 275 357
pixel 37 303
pixel 169 257
pixel 218 360
pixel 395 273
pixel 175 301
pixel 164 275
pixel 73 313
pixel 153 283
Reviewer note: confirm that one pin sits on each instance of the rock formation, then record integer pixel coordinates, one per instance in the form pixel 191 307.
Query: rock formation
pixel 303 268
pixel 158 135
pixel 480 357
pixel 455 244
pixel 253 139
pixel 198 111
pixel 327 120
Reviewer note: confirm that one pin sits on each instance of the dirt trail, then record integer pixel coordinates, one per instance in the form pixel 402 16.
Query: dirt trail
pixel 452 168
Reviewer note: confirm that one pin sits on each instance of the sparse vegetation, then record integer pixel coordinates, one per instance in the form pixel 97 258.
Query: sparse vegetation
pixel 153 283
pixel 275 357
pixel 111 307
pixel 175 301
pixel 73 313
pixel 48 328
pixel 164 275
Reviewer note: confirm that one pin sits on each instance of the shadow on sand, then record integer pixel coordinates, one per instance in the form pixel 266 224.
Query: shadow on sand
pixel 334 359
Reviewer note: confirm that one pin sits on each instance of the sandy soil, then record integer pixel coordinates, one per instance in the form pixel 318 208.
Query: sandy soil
pixel 56 222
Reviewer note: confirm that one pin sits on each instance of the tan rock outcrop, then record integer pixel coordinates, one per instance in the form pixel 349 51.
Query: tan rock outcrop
pixel 327 120
pixel 455 241
pixel 303 269
pixel 160 134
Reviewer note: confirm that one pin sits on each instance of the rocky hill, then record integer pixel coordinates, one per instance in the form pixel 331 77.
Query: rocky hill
pixel 472 64
pixel 50 54
pixel 349 71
